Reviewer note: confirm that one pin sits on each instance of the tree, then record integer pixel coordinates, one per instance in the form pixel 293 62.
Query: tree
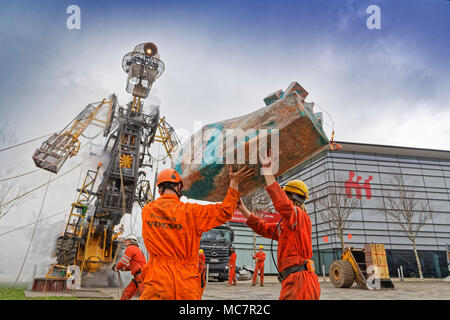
pixel 334 208
pixel 403 207
pixel 8 189
pixel 260 204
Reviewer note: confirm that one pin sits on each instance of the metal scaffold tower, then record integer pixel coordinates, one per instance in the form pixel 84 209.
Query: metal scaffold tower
pixel 90 240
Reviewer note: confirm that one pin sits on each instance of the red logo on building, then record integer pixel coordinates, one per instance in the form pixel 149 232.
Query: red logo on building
pixel 350 185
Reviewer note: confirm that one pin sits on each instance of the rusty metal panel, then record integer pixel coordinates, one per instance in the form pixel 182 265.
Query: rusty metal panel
pixel 293 128
pixel 49 285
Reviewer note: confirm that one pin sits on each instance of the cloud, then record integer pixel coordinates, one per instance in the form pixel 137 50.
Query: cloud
pixel 387 87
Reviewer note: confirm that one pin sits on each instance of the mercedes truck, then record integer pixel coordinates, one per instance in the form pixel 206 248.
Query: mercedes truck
pixel 216 244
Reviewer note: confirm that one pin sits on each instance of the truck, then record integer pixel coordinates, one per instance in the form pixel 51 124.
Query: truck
pixel 216 244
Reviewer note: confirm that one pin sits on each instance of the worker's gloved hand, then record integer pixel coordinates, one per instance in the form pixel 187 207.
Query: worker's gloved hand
pixel 239 176
pixel 114 267
pixel 268 163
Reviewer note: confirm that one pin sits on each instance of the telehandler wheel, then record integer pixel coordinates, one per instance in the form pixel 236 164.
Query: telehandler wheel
pixel 66 251
pixel 341 274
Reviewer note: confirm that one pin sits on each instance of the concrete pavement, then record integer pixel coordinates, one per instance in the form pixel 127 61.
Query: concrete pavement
pixel 429 289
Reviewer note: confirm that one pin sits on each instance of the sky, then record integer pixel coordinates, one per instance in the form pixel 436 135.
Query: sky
pixel 385 86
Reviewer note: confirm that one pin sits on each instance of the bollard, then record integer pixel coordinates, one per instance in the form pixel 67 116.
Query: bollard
pixel 34 272
pixel 401 272
pixel 399 276
pixel 207 272
pixel 323 271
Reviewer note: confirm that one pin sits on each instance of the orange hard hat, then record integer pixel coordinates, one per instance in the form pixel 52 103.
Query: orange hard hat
pixel 168 175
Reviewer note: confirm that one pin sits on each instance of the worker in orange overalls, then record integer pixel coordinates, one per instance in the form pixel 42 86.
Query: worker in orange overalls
pixel 133 260
pixel 202 270
pixel 260 257
pixel 293 233
pixel 172 230
pixel 232 268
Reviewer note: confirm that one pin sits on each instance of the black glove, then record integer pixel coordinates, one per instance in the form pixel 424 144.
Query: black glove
pixel 113 267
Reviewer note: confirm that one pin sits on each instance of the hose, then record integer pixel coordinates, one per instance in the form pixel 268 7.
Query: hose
pixel 22 143
pixel 42 185
pixel 34 230
pixel 271 247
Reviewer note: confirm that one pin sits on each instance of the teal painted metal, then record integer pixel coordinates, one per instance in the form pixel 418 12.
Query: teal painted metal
pixel 300 134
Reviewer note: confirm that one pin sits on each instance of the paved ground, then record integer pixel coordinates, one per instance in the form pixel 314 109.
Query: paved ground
pixel 406 290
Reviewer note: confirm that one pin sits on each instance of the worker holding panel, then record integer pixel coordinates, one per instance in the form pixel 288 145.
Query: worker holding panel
pixel 172 230
pixel 293 233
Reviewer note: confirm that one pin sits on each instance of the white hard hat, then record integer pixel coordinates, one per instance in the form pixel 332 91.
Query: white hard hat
pixel 131 237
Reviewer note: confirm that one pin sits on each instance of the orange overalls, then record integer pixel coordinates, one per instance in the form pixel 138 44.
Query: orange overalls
pixel 172 230
pixel 260 257
pixel 294 245
pixel 232 269
pixel 133 260
pixel 202 271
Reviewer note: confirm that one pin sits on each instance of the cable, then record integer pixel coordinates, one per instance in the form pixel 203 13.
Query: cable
pixel 136 220
pixel 63 225
pixel 121 285
pixel 333 145
pixel 22 143
pixel 122 188
pixel 20 175
pixel 158 160
pixel 271 248
pixel 32 171
pixel 34 230
pixel 30 224
pixel 19 164
pixel 91 137
pixel 331 118
pixel 42 185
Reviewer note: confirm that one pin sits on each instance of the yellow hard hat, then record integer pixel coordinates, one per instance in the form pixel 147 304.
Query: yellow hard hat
pixel 200 251
pixel 261 247
pixel 297 186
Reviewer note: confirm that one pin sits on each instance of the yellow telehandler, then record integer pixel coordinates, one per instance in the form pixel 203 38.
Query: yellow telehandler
pixel 367 266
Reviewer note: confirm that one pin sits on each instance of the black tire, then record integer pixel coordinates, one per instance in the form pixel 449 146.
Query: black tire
pixel 66 250
pixel 341 274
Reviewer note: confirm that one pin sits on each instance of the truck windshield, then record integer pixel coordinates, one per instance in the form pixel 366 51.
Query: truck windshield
pixel 216 235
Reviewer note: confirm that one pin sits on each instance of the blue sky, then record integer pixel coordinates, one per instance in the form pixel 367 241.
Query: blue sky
pixel 387 86
pixel 227 55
